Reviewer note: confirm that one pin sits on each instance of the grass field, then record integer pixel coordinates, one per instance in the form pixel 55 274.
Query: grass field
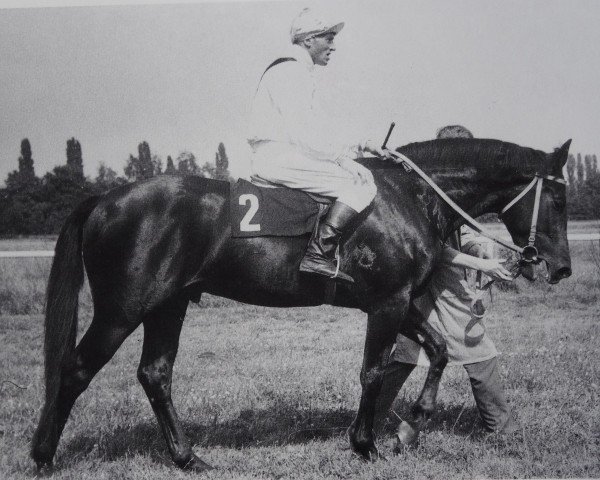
pixel 268 393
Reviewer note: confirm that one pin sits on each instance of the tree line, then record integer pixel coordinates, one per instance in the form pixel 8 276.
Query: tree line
pixel 583 189
pixel 32 205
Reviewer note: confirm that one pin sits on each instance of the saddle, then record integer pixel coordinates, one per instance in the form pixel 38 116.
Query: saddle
pixel 271 210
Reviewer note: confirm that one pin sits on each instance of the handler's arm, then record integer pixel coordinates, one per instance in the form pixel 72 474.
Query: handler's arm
pixel 492 267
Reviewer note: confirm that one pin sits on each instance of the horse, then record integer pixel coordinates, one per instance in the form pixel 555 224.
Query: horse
pixel 149 248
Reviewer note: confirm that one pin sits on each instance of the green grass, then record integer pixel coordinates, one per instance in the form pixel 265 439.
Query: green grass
pixel 268 393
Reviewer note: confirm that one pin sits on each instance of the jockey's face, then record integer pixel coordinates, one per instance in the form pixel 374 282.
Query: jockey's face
pixel 320 48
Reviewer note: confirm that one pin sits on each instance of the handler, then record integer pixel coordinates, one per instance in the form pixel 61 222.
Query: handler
pixel 447 306
pixel 291 141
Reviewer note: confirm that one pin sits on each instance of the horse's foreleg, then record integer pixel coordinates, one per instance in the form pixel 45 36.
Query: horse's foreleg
pixel 96 348
pixel 435 348
pixel 161 340
pixel 381 335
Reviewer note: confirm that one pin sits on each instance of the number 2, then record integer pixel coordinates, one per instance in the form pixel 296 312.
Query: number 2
pixel 245 225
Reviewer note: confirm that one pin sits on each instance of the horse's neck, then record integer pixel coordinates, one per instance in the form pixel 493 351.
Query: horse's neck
pixel 477 183
pixel 474 197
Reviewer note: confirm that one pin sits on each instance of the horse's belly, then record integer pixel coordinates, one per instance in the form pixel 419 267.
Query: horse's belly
pixel 266 297
pixel 264 271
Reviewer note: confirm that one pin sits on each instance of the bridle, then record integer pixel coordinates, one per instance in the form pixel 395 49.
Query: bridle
pixel 529 253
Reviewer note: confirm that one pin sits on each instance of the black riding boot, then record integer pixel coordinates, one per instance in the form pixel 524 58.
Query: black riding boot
pixel 320 254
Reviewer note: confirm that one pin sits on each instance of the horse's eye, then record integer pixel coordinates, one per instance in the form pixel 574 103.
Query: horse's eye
pixel 559 203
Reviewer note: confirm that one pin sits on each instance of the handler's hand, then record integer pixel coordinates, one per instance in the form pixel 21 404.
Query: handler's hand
pixel 493 268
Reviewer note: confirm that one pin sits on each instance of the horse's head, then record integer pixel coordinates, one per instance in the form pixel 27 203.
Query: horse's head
pixel 551 229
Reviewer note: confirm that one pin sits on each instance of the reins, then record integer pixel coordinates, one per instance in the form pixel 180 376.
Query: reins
pixel 529 253
pixel 474 224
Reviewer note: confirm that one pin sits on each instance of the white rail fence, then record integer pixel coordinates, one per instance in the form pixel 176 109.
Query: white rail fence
pixel 490 246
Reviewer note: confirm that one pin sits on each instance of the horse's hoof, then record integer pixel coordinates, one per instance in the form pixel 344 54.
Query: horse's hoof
pixel 44 468
pixel 367 453
pixel 406 437
pixel 364 448
pixel 42 456
pixel 195 464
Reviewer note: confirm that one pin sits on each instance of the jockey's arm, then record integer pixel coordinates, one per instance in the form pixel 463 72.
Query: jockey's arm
pixel 492 267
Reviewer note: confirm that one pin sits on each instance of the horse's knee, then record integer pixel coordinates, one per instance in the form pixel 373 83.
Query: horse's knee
pixel 372 377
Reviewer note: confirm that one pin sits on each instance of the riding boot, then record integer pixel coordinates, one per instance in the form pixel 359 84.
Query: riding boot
pixel 320 254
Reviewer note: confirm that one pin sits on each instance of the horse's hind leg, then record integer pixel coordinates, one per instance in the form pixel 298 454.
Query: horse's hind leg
pixel 95 349
pixel 161 340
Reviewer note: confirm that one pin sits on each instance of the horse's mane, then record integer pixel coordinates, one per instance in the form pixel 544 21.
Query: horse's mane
pixel 454 154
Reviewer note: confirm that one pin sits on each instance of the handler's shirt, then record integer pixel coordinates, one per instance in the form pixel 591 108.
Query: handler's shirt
pixel 285 111
pixel 447 307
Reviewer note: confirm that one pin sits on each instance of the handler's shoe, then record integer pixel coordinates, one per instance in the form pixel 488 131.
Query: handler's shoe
pixel 320 254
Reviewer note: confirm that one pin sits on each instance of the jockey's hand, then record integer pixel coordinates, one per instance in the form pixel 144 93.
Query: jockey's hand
pixel 361 174
pixel 493 268
pixel 374 149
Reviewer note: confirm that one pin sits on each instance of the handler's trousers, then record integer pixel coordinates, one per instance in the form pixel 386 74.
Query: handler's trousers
pixel 283 164
pixel 485 383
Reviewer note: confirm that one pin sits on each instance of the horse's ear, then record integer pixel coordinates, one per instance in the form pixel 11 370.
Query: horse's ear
pixel 561 154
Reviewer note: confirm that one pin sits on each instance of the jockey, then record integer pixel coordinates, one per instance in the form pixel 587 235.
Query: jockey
pixel 288 137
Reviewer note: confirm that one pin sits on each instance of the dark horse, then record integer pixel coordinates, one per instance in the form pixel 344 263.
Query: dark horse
pixel 150 247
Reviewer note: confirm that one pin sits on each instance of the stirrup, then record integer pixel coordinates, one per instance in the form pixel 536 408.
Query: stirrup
pixel 337 275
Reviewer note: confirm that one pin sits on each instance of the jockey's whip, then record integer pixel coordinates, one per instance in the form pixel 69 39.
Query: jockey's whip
pixel 387 137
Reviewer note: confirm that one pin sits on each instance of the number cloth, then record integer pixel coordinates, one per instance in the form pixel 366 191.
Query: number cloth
pixel 292 142
pixel 447 306
pixel 256 211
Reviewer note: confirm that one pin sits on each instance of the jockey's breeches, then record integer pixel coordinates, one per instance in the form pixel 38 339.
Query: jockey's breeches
pixel 285 165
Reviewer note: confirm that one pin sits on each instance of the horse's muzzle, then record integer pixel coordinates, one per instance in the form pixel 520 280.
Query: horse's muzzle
pixel 556 275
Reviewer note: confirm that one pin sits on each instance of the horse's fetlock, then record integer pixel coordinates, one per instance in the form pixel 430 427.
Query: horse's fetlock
pixel 182 460
pixel 422 410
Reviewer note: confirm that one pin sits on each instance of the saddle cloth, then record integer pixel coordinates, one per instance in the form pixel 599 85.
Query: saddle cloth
pixel 263 211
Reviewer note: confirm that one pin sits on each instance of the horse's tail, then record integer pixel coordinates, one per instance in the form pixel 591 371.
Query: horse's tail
pixel 62 298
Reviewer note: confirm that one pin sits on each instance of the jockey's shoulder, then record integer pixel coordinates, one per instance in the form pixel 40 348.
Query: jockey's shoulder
pixel 283 67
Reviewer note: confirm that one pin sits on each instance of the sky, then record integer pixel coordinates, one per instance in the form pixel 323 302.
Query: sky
pixel 182 76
